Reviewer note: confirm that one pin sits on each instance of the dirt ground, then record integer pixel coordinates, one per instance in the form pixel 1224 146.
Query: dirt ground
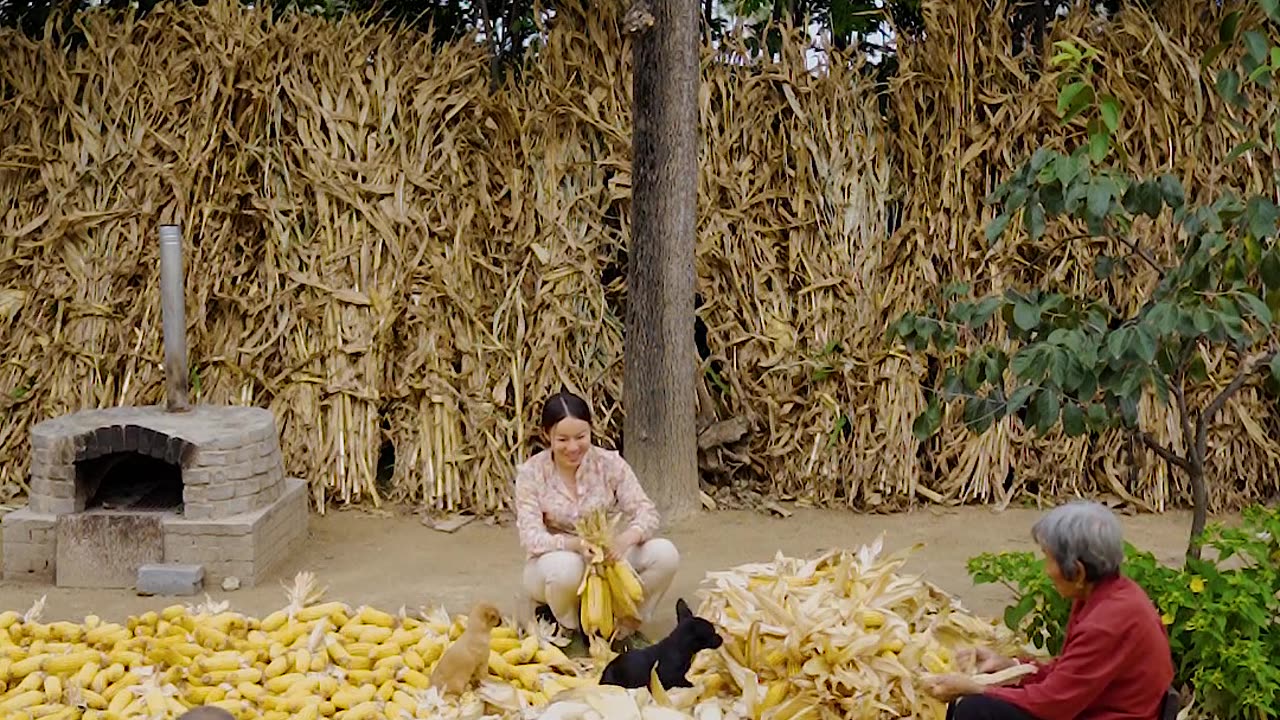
pixel 389 562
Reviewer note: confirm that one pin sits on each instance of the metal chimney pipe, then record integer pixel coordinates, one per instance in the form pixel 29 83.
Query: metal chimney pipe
pixel 173 309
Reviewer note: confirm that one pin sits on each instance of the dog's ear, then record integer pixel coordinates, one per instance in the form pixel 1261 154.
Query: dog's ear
pixel 682 610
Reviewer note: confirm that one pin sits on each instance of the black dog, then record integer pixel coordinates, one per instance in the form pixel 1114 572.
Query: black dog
pixel 673 654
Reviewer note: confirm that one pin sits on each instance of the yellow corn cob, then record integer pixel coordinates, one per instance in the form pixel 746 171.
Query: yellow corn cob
pixel 312 613
pixel 629 580
pixel 251 692
pixel 349 697
pixel 606 610
pixel 385 650
pixel 364 711
pixel 503 645
pixel 53 689
pixel 374 634
pixel 280 683
pixel 302 661
pixel 92 699
pixel 118 701
pixel 23 668
pixel 219 661
pixel 34 681
pixel 274 621
pixel 277 667
pixel 621 602
pixel 21 700
pixel 305 686
pixel 372 616
pixel 9 618
pixel 552 656
pixel 413 660
pixel 415 679
pixel 523 654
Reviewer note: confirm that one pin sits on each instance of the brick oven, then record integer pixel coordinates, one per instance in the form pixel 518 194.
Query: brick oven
pixel 113 489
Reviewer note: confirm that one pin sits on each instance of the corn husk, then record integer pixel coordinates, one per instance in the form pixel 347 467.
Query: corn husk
pixel 844 633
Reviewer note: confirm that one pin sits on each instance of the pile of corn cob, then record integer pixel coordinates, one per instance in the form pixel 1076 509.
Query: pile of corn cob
pixel 309 660
pixel 842 635
pixel 610 591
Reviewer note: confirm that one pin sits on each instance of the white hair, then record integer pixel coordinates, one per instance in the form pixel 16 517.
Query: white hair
pixel 1085 532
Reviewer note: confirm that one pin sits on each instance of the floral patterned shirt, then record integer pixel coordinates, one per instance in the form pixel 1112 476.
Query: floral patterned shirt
pixel 546 512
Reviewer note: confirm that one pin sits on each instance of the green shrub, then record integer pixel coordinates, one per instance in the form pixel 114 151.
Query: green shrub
pixel 1223 614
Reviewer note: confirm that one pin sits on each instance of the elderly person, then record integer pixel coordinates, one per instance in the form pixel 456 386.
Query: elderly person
pixel 1115 663
pixel 558 487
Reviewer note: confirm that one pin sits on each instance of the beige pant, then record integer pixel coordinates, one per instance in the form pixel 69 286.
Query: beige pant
pixel 553 578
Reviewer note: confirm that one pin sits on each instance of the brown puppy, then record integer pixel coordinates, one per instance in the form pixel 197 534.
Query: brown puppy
pixel 467 658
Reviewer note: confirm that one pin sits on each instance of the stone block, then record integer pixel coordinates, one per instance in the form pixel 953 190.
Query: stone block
pixel 52 506
pixel 222 491
pixel 105 550
pixel 170 579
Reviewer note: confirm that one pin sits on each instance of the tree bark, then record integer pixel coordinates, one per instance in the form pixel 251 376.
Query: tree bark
pixel 659 431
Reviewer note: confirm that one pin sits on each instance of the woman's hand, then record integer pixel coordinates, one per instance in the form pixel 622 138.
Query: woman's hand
pixel 985 659
pixel 951 686
pixel 622 545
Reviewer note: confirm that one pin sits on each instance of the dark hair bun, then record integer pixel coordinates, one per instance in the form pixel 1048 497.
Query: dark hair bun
pixel 564 404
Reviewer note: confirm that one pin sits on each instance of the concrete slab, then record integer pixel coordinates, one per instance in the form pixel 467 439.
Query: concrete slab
pixel 170 579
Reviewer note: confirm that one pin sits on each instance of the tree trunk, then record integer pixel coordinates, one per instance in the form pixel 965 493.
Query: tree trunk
pixel 659 431
pixel 1199 506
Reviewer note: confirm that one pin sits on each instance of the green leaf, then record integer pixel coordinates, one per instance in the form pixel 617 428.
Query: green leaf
pixel 1026 316
pixel 1228 85
pixel 984 311
pixel 1144 344
pixel 1066 168
pixel 1260 74
pixel 1256 45
pixel 1163 317
pixel 1102 267
pixel 1256 307
pixel 1047 406
pixel 996 227
pixel 1033 218
pixel 1073 98
pixel 1275 367
pixel 1117 342
pixel 1073 420
pixel 1099 145
pixel 1024 362
pixel 1239 150
pixel 927 422
pixel 1212 54
pixel 1110 108
pixel 1263 216
pixel 1099 200
pixel 1097 417
pixel 1269 268
pixel 1230 24
pixel 1271 8
pixel 1171 190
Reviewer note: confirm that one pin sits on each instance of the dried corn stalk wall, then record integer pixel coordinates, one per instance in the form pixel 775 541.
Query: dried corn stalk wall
pixel 970 116
pixel 384 251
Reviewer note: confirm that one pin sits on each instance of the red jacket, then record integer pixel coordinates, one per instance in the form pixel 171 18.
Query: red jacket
pixel 1114 665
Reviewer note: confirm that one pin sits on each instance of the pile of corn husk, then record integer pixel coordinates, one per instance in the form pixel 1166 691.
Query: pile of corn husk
pixel 840 635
